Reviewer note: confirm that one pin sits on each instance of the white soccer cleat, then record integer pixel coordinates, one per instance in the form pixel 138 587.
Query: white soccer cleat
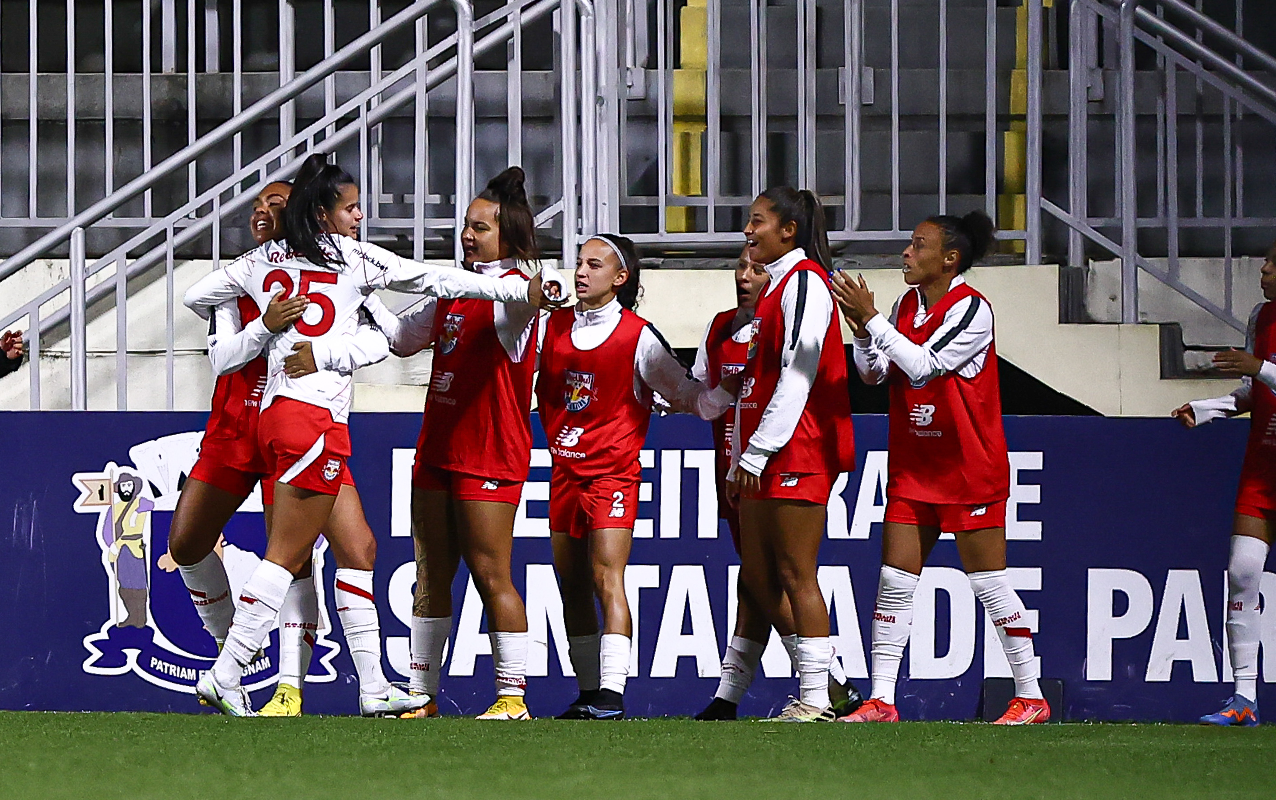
pixel 231 701
pixel 391 703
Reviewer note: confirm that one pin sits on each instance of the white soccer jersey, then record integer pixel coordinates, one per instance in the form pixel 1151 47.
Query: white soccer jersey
pixel 336 292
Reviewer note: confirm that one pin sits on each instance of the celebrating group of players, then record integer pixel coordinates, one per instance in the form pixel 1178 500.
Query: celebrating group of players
pixel 292 320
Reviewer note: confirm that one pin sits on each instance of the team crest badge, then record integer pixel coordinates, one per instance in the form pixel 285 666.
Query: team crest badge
pixel 450 336
pixel 151 627
pixel 332 469
pixel 579 391
pixel 754 327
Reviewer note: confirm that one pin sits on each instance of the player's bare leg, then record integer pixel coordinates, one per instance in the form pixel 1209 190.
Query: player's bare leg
pixel 202 512
pixel 573 566
pixel 434 541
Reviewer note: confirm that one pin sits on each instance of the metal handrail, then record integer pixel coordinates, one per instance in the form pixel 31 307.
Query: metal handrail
pixel 227 130
pixel 1212 27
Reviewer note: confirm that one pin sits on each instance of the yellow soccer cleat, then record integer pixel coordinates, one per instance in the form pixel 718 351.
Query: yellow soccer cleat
pixel 507 707
pixel 430 709
pixel 285 703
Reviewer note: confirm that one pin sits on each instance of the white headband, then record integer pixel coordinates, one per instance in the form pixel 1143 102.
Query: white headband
pixel 619 256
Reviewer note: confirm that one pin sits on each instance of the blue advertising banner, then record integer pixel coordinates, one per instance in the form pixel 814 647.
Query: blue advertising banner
pixel 1118 545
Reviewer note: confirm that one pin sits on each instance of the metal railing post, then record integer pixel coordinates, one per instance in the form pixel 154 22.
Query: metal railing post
pixel 464 116
pixel 1128 209
pixel 1032 184
pixel 588 119
pixel 1078 77
pixel 79 333
pixel 567 38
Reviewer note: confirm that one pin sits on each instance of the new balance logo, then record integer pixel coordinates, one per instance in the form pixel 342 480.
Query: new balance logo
pixel 978 511
pixel 490 486
pixel 569 437
pixel 922 414
pixel 788 480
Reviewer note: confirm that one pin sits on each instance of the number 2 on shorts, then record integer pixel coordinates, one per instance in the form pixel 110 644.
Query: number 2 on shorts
pixel 617 505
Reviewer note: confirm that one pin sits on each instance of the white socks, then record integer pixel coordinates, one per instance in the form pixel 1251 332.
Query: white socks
pixel 739 665
pixel 255 613
pixel 813 655
pixel 613 661
pixel 584 652
pixel 509 659
pixel 790 646
pixel 361 627
pixel 1244 578
pixel 892 622
pixel 429 638
pixel 210 592
pixel 298 625
pixel 1008 617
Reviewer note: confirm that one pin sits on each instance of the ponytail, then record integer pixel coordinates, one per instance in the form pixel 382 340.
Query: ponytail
pixel 317 187
pixel 803 208
pixel 970 236
pixel 630 291
pixel 514 215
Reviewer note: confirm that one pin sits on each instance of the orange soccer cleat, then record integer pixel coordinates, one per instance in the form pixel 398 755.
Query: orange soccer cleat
pixel 873 710
pixel 1025 711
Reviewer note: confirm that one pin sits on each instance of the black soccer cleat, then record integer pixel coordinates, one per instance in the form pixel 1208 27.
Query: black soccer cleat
pixel 846 698
pixel 579 706
pixel 718 709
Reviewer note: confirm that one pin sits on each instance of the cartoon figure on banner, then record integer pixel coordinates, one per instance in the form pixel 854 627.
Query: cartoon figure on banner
pixel 152 628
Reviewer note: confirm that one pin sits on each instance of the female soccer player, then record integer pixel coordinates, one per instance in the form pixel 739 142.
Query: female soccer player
pixel 302 429
pixel 1254 524
pixel 475 446
pixel 948 466
pixel 793 431
pixel 230 464
pixel 599 365
pixel 724 352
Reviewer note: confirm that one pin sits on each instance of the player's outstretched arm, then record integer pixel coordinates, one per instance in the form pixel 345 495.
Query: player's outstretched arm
pixel 661 370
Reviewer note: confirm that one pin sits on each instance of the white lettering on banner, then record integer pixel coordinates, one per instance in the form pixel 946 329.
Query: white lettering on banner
pixel 645 528
pixel 872 485
pixel 1102 626
pixel 670 493
pixel 702 461
pixel 687 594
pixel 533 527
pixel 638 577
pixel 836 525
pixel 839 596
pixel 401 461
pixel 1023 494
pixel 1182 601
pixel 1022 579
pixel 545 619
pixel 923 662
pixel 1266 627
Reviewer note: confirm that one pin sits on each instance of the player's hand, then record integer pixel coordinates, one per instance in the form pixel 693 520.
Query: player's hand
pixel 281 313
pixel 537 296
pixel 1237 363
pixel 1185 414
pixel 746 483
pixel 733 495
pixel 11 345
pixel 854 298
pixel 732 383
pixel 301 362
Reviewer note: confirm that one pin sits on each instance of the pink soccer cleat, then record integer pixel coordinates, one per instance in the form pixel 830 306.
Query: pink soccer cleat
pixel 874 710
pixel 1025 711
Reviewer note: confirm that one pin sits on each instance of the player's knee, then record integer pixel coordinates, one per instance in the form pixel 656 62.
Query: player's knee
pixel 190 546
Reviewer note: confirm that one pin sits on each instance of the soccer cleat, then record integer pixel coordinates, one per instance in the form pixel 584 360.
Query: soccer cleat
pixel 430 709
pixel 1239 711
pixel 797 711
pixel 507 707
pixel 393 702
pixel 718 709
pixel 285 703
pixel 577 709
pixel 1025 711
pixel 600 704
pixel 873 710
pixel 231 701
pixel 846 698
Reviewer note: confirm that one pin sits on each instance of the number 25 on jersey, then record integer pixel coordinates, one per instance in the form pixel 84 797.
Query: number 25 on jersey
pixel 283 280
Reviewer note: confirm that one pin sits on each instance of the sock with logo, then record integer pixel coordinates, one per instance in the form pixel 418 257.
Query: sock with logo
pixel 509 657
pixel 892 622
pixel 739 665
pixel 584 653
pixel 1008 616
pixel 837 674
pixel 814 655
pixel 790 643
pixel 210 592
pixel 428 641
pixel 1244 577
pixel 362 628
pixel 613 662
pixel 298 625
pixel 255 614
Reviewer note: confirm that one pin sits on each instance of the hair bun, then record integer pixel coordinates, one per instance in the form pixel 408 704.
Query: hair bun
pixel 310 169
pixel 980 230
pixel 508 186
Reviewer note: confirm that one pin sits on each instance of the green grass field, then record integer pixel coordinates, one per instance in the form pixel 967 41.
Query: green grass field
pixel 101 756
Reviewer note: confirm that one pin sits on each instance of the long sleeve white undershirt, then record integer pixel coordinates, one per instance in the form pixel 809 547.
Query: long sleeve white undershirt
pixel 655 366
pixel 959 345
pixel 1240 399
pixel 799 364
pixel 231 346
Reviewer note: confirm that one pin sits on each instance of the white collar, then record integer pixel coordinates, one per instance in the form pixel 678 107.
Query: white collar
pixel 921 296
pixel 598 316
pixel 779 268
pixel 494 268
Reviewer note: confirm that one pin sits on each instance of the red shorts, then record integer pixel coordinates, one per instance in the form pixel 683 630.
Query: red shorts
pixel 304 447
pixel 577 507
pixel 232 465
pixel 1256 497
pixel 812 487
pixel 954 518
pixel 465 487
